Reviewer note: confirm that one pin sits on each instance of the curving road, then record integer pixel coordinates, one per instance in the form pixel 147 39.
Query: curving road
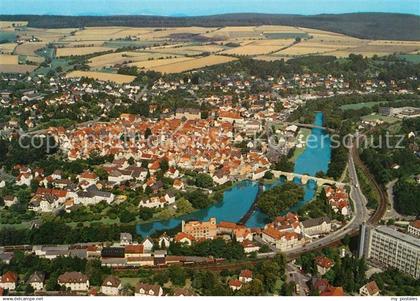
pixel 360 215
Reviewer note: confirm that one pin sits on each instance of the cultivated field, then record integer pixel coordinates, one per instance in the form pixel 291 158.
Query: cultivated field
pixel 29 48
pixel 182 49
pixel 12 24
pixel 7 48
pixel 193 64
pixel 46 35
pixel 259 47
pixel 117 78
pixel 9 59
pixel 153 64
pixel 77 51
pixel 14 68
pixel 119 58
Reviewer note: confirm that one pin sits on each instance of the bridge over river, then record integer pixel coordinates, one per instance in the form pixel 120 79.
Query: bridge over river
pixel 290 176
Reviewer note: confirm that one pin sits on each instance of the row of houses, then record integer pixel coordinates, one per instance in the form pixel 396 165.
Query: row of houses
pixel 288 232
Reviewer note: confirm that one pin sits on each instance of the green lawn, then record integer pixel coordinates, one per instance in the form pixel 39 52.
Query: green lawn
pixel 370 104
pixel 120 44
pixel 412 58
pixel 358 106
pixel 286 35
pixel 387 119
pixel 63 63
pixel 129 281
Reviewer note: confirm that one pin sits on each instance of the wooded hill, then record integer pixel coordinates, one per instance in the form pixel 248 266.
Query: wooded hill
pixel 387 26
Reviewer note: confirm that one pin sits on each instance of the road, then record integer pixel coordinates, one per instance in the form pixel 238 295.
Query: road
pixel 360 215
pixel 383 200
pixel 295 275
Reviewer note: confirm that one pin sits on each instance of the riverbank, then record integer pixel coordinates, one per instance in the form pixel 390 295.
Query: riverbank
pixel 237 201
pixel 301 145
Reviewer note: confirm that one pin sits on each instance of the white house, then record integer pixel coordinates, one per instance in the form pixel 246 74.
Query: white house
pixel 369 289
pixel 8 281
pixel 220 177
pixel 36 280
pixel 259 173
pixel 245 276
pixel 74 281
pixel 170 198
pixel 111 286
pixel 147 245
pixel 153 202
pixel 235 284
pixel 164 241
pixel 249 246
pixel 184 238
pixel 316 226
pixel 144 289
pixel 89 177
pixel 10 200
pixel 24 179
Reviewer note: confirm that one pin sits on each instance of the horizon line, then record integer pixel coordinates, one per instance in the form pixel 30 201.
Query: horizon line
pixel 206 15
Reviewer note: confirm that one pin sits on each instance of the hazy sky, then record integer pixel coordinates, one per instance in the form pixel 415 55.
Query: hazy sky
pixel 203 7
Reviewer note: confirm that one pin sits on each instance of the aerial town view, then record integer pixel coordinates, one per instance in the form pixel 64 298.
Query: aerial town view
pixel 209 148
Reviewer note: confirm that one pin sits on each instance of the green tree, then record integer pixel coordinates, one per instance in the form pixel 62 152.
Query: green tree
pixel 204 180
pixel 177 275
pixel 279 198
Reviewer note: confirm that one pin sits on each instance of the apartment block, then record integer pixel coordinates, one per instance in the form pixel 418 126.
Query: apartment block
pixel 388 247
pixel 201 230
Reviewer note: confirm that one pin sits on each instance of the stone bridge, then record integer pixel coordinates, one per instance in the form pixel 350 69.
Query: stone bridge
pixel 290 176
pixel 309 126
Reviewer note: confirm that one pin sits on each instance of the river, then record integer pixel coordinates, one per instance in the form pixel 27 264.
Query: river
pixel 237 200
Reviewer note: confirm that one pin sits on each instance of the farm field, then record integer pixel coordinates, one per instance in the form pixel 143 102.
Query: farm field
pixel 29 48
pixel 12 24
pixel 9 59
pixel 7 48
pixel 46 35
pixel 153 64
pixel 192 64
pixel 77 51
pixel 14 68
pixel 168 49
pixel 111 59
pixel 260 47
pixel 102 76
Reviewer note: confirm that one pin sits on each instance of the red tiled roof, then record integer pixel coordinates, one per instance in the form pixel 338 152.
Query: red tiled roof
pixel 235 283
pixel 333 291
pixel 246 273
pixel 181 235
pixel 9 277
pixel 324 262
pixel 272 233
pixel 372 288
pixel 134 249
pixel 228 225
pixel 415 224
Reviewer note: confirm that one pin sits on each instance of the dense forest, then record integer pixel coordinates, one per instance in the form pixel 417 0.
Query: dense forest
pixel 385 26
pixel 407 200
pixel 279 198
pixel 59 233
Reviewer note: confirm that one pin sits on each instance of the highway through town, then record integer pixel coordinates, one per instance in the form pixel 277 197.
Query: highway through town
pixel 359 216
